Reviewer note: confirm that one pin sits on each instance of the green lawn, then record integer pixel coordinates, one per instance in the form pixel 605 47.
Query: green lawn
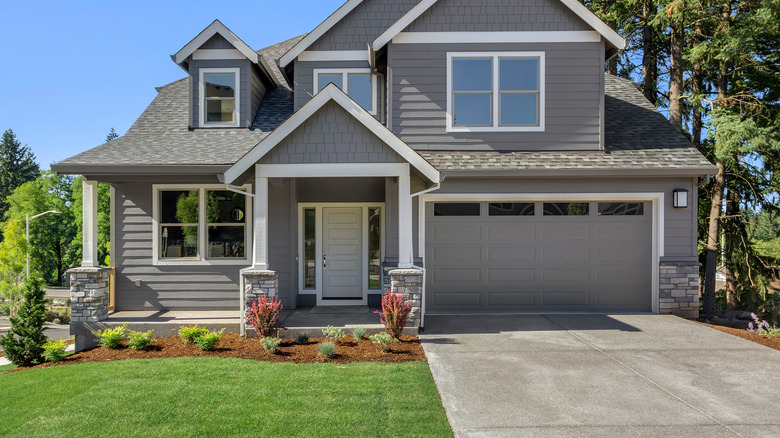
pixel 190 396
pixel 8 367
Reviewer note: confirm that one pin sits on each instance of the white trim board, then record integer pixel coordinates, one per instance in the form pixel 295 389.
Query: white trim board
pixel 218 54
pixel 334 55
pixel 216 27
pixel 584 36
pixel 328 170
pixel 401 24
pixel 331 93
pixel 657 199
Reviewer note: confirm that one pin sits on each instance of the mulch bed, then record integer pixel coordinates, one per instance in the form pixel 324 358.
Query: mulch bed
pixel 767 341
pixel 408 349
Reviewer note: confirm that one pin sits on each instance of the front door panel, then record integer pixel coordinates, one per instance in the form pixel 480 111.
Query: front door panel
pixel 342 252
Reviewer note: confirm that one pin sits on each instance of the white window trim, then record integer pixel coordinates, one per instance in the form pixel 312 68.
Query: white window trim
pixel 495 92
pixel 201 260
pixel 345 82
pixel 318 275
pixel 202 98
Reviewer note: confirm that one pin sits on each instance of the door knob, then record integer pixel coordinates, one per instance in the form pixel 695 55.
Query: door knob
pixel 324 262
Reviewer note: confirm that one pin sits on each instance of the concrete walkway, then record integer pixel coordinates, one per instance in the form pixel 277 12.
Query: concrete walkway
pixel 600 376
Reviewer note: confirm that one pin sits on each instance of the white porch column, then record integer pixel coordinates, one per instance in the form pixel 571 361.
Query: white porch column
pixel 405 255
pixel 89 241
pixel 260 259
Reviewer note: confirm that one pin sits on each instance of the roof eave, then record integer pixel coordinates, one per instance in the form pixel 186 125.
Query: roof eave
pixel 592 172
pixel 147 169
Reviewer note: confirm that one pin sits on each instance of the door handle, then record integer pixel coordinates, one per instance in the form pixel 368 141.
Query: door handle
pixel 324 262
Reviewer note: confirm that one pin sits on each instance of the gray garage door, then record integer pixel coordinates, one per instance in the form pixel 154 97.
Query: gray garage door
pixel 539 256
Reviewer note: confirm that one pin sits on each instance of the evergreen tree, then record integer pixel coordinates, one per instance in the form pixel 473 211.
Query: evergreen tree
pixel 111 135
pixel 23 344
pixel 17 166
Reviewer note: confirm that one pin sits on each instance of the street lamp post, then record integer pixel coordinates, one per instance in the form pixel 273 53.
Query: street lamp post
pixel 27 234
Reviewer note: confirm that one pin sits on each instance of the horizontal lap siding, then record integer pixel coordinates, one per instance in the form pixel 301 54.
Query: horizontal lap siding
pixel 573 98
pixel 282 228
pixel 258 91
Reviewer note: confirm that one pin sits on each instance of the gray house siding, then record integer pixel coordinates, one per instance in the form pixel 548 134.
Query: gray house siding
pixel 246 90
pixel 258 90
pixel 497 16
pixel 331 135
pixel 573 81
pixel 362 25
pixel 217 42
pixel 282 237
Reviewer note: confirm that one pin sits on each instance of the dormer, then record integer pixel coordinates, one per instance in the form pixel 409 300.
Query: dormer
pixel 227 79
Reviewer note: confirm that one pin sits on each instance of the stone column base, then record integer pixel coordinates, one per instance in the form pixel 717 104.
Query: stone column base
pixel 679 289
pixel 88 294
pixel 260 282
pixel 408 282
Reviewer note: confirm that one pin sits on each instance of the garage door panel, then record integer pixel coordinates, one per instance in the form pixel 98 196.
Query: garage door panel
pixel 511 275
pixel 621 232
pixel 619 275
pixel 566 231
pixel 517 231
pixel 460 232
pixel 621 300
pixel 623 254
pixel 513 299
pixel 565 275
pixel 463 255
pixel 564 298
pixel 457 276
pixel 514 255
pixel 568 254
pixel 455 299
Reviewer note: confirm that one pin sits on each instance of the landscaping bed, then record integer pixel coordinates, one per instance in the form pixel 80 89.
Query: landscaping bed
pixel 408 349
pixel 767 341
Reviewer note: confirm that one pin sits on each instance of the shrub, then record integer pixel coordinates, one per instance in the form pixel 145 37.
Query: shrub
pixel 761 327
pixel 333 333
pixel 358 333
pixel 270 344
pixel 23 344
pixel 188 334
pixel 140 340
pixel 54 351
pixel 395 311
pixel 208 340
pixel 383 340
pixel 263 315
pixel 326 349
pixel 303 338
pixel 111 338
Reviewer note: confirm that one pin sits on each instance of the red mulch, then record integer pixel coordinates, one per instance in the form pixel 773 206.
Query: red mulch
pixel 767 341
pixel 408 349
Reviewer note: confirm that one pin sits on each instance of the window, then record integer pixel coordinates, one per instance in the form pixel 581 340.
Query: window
pixel 621 208
pixel 359 84
pixel 510 209
pixel 374 248
pixel 219 96
pixel 200 224
pixel 495 91
pixel 566 208
pixel 455 209
pixel 309 249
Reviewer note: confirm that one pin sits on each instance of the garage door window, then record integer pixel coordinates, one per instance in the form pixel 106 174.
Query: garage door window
pixel 510 209
pixel 621 208
pixel 456 209
pixel 566 209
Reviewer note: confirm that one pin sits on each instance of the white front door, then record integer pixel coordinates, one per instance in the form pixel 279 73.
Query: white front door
pixel 342 253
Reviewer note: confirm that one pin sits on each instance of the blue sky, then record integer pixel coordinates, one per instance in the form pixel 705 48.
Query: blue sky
pixel 73 70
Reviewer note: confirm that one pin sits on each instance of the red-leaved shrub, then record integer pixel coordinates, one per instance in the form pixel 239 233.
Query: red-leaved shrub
pixel 263 316
pixel 394 312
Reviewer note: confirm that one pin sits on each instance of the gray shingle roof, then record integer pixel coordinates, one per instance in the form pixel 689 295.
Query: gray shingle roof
pixel 276 51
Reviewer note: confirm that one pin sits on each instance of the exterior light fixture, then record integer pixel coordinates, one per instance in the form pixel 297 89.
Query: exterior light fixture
pixel 680 198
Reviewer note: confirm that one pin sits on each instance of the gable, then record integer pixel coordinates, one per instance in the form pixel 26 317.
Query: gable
pixel 217 42
pixel 331 135
pixel 498 16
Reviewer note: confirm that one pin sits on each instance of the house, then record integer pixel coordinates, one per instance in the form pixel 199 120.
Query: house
pixel 471 154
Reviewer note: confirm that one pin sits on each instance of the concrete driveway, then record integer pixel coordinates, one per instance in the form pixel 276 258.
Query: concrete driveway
pixel 600 375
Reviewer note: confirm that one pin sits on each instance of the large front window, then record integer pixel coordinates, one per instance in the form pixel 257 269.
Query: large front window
pixel 359 84
pixel 219 91
pixel 200 224
pixel 495 91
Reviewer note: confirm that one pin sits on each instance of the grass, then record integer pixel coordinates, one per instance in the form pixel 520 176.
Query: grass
pixel 8 367
pixel 190 396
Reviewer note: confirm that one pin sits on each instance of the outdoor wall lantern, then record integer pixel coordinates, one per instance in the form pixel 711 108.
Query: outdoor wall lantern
pixel 680 198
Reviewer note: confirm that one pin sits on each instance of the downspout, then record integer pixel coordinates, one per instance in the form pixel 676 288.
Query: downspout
pixel 435 187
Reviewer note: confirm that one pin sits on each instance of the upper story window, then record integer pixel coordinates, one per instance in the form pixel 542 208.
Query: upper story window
pixel 497 91
pixel 219 91
pixel 358 83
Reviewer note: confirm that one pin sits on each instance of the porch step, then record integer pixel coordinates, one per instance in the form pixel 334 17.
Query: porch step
pixel 339 310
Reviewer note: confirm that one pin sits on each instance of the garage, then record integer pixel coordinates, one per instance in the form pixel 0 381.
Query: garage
pixel 496 256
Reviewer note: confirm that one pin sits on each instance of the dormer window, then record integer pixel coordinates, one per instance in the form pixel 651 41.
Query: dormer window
pixel 358 83
pixel 219 91
pixel 500 91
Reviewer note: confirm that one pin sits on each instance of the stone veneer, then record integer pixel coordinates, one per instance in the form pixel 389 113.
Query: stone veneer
pixel 679 286
pixel 408 282
pixel 88 294
pixel 259 282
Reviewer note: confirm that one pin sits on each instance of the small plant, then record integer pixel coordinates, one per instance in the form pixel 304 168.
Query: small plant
pixel 358 333
pixel 263 315
pixel 140 340
pixel 383 340
pixel 395 311
pixel 270 344
pixel 326 349
pixel 188 334
pixel 333 333
pixel 762 327
pixel 208 340
pixel 303 338
pixel 54 351
pixel 112 338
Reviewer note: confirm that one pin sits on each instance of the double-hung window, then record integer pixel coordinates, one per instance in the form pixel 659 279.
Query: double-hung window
pixel 501 91
pixel 359 84
pixel 219 91
pixel 201 224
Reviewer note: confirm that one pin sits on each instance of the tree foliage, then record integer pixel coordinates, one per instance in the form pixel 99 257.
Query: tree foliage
pixel 17 166
pixel 13 251
pixel 23 344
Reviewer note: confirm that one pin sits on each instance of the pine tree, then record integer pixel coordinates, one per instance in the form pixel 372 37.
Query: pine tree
pixel 111 135
pixel 17 166
pixel 23 344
